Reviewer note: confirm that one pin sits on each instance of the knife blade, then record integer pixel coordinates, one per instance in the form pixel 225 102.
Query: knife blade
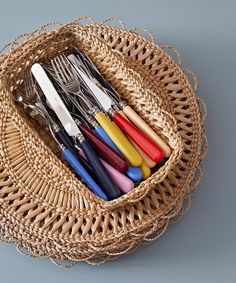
pixel 55 101
pixel 101 97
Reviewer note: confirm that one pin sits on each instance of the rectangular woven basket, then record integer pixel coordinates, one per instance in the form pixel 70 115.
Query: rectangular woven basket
pixel 130 88
pixel 58 216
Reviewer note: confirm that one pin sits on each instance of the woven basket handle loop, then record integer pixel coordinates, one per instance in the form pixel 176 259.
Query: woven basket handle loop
pixel 38 31
pixel 192 78
pixel 4 47
pixel 186 204
pixel 45 27
pixel 198 174
pixel 24 251
pixel 156 234
pixel 62 264
pixel 78 21
pixel 113 20
pixel 203 108
pixel 16 41
pixel 170 47
pixel 27 36
pixel 204 144
pixel 130 248
pixel 97 261
pixel 145 31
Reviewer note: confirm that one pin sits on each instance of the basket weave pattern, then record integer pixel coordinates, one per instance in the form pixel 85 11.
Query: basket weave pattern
pixel 43 207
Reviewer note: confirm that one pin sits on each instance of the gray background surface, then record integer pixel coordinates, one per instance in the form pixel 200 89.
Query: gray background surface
pixel 202 247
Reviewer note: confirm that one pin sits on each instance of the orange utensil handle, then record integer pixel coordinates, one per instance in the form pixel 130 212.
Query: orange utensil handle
pixel 143 126
pixel 148 146
pixel 146 159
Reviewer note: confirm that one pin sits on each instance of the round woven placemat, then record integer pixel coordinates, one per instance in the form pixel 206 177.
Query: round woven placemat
pixel 43 207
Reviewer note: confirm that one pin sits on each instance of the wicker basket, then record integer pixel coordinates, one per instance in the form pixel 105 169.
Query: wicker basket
pixel 43 207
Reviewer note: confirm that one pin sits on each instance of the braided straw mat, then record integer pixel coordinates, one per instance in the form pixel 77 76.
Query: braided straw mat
pixel 44 208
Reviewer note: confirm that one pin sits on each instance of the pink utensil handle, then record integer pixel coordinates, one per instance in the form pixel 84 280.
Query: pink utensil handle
pixel 147 145
pixel 122 182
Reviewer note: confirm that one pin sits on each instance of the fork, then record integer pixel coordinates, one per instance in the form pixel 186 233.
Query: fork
pixel 68 81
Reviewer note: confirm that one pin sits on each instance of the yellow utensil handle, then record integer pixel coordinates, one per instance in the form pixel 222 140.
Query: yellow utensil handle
pixel 120 140
pixel 146 171
pixel 141 125
pixel 150 163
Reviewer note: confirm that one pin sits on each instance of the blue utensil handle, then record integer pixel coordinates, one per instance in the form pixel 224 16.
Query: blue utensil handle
pixel 103 135
pixel 64 139
pixel 79 169
pixel 134 173
pixel 108 186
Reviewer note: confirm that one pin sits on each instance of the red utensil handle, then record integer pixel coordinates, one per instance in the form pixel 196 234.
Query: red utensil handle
pixel 105 151
pixel 149 147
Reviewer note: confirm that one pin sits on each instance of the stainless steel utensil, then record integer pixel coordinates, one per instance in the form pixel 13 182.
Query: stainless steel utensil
pixel 72 129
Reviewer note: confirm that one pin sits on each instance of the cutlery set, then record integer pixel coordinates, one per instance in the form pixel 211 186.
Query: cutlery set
pixel 108 145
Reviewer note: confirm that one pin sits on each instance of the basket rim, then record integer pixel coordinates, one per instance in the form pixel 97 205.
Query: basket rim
pixel 163 215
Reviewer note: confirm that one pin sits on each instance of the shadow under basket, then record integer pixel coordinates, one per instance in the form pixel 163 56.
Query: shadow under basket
pixel 43 206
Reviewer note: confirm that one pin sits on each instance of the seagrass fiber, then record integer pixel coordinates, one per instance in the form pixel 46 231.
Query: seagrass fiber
pixel 44 208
